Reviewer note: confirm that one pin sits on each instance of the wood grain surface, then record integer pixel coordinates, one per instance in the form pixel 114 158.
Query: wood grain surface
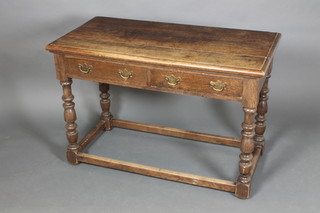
pixel 162 43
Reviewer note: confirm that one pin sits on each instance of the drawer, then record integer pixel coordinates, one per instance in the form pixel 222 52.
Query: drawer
pixel 106 72
pixel 197 84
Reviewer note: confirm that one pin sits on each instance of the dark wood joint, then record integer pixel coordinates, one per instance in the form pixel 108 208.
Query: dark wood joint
pixel 72 156
pixel 242 190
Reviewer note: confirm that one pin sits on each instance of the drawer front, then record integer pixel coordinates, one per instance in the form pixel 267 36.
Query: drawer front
pixel 196 84
pixel 105 72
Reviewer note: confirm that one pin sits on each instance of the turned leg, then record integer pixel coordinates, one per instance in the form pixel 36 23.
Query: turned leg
pixel 70 117
pixel 105 105
pixel 260 117
pixel 246 156
pixel 261 112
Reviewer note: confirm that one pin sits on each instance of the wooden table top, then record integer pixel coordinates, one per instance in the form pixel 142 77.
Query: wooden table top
pixel 210 48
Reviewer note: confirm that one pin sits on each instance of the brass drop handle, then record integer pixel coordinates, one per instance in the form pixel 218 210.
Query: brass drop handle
pixel 172 80
pixel 84 68
pixel 218 86
pixel 125 74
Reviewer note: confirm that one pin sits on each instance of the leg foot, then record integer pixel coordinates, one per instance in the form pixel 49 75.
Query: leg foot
pixel 72 157
pixel 242 190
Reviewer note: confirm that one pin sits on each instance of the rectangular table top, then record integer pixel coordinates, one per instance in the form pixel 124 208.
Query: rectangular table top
pixel 210 48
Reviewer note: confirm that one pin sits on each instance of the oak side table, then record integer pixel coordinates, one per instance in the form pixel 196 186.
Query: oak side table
pixel 211 62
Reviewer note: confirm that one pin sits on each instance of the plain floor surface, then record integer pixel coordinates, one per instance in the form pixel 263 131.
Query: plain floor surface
pixel 35 177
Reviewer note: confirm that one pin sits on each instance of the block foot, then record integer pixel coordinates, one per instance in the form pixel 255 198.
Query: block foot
pixel 242 190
